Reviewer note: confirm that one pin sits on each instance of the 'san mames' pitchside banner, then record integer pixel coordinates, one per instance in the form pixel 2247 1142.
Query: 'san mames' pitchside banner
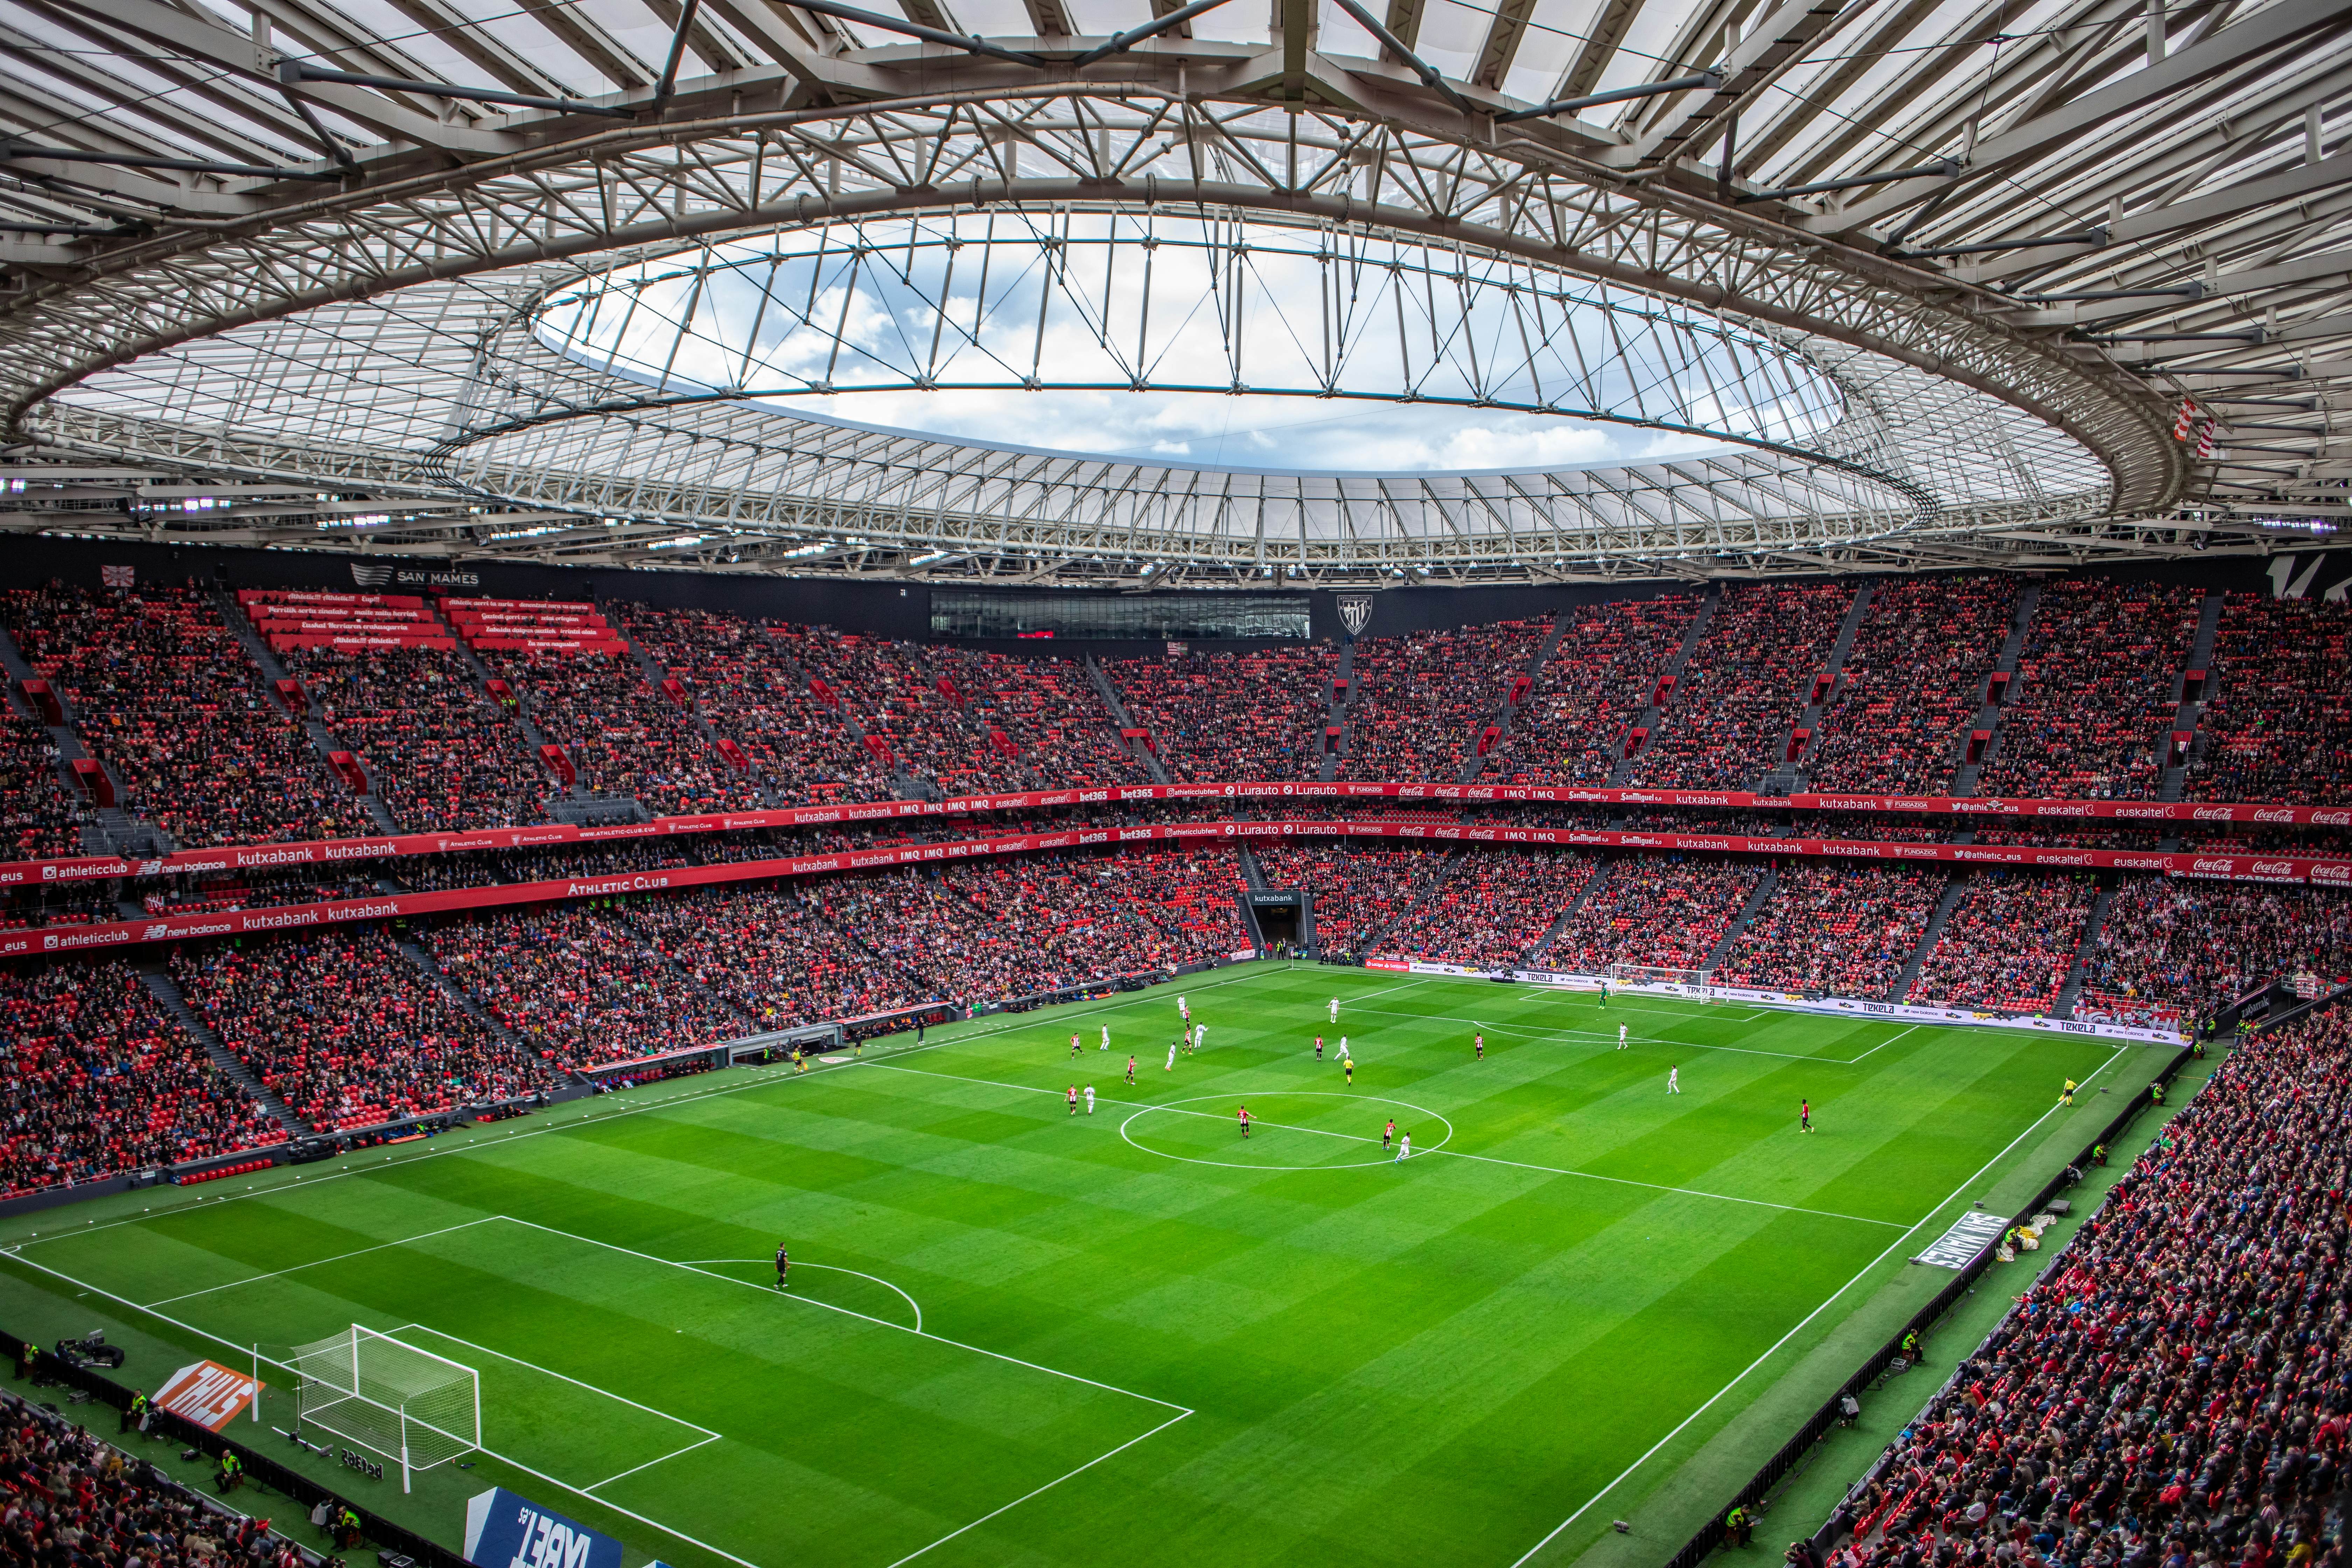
pixel 331 851
pixel 503 1530
pixel 100 938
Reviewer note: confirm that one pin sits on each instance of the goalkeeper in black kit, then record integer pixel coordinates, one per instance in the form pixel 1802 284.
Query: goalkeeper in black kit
pixel 783 1267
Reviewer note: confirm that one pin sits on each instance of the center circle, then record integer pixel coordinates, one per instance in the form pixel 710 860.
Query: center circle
pixel 1290 1130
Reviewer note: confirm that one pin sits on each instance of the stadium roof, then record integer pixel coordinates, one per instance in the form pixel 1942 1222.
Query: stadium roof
pixel 1813 285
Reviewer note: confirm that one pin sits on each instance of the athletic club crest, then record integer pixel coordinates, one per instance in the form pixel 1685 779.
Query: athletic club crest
pixel 1356 613
pixel 369 574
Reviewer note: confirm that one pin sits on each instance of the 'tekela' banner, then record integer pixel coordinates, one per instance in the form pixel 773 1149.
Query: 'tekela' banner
pixel 503 1530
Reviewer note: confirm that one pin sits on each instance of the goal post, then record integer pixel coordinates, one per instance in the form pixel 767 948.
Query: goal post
pixel 1698 985
pixel 408 1407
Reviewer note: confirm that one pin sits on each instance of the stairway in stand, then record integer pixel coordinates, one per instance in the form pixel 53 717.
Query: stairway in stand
pixel 2012 647
pixel 2174 785
pixel 158 981
pixel 1788 776
pixel 1953 892
pixel 1764 890
pixel 1509 708
pixel 1534 957
pixel 1651 716
pixel 2085 950
pixel 1100 679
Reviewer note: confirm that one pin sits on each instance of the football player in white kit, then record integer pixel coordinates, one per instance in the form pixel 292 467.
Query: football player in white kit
pixel 1335 1009
pixel 1106 1045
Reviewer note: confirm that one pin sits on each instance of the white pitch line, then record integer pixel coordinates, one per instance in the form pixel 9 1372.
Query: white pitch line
pixel 315 1263
pixel 1883 1044
pixel 847 1312
pixel 550 1371
pixel 1456 1153
pixel 513 1464
pixel 762 1077
pixel 1049 1485
pixel 1951 1198
pixel 833 1267
pixel 648 1465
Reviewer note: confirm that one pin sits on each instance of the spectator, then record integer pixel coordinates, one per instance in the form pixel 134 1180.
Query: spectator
pixel 68 1498
pixel 1423 702
pixel 1748 679
pixel 1910 689
pixel 1834 930
pixel 1657 909
pixel 1227 716
pixel 101 1081
pixel 437 750
pixel 347 1031
pixel 2279 727
pixel 623 738
pixel 2099 674
pixel 39 820
pixel 2193 946
pixel 577 984
pixel 2007 945
pixel 2167 1390
pixel 1493 909
pixel 159 687
pixel 1595 686
pixel 1357 890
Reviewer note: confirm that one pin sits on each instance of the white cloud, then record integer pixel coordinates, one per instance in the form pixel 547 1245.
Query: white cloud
pixel 1305 435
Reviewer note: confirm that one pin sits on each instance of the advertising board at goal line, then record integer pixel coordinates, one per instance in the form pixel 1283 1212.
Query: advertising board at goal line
pixel 1788 1001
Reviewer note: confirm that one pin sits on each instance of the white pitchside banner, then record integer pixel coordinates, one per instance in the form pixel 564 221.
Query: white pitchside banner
pixel 1790 1001
pixel 1970 1234
pixel 207 1393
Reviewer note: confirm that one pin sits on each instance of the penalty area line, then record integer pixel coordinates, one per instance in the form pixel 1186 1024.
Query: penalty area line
pixel 1049 1485
pixel 1774 1348
pixel 513 1464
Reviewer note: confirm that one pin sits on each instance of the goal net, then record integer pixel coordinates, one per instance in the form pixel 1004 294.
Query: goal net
pixel 411 1406
pixel 1697 984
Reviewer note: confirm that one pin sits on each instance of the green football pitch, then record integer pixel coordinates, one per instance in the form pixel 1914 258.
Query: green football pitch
pixel 1129 1335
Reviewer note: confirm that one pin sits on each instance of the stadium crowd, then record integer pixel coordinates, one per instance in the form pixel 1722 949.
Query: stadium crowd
pixel 437 750
pixel 1357 890
pixel 1423 701
pixel 906 696
pixel 69 1501
pixel 1911 685
pixel 160 689
pixel 38 818
pixel 622 736
pixel 580 983
pixel 786 953
pixel 751 683
pixel 2008 944
pixel 1493 909
pixel 1658 910
pixel 100 1079
pixel 1600 680
pixel 1220 716
pixel 1747 681
pixel 2100 673
pixel 2170 1391
pixel 2279 723
pixel 347 1031
pixel 1834 930
pixel 2194 944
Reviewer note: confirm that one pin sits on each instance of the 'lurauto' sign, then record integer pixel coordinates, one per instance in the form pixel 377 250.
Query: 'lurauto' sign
pixel 503 1530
